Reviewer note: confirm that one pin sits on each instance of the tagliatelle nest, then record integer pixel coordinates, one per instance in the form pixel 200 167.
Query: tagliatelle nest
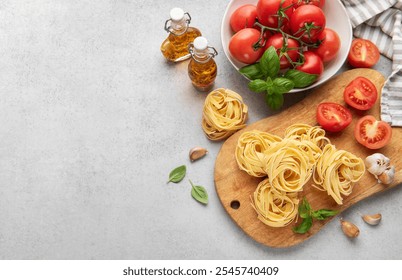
pixel 224 113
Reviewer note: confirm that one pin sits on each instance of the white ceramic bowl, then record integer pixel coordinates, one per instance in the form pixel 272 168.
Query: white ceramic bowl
pixel 337 19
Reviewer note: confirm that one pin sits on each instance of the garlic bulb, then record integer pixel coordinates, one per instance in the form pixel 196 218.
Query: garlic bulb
pixel 387 177
pixel 376 164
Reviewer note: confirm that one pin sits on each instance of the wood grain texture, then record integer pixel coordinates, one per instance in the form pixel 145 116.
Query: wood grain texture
pixel 234 185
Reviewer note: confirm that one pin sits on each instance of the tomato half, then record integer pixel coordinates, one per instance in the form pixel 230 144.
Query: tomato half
pixel 287 47
pixel 241 46
pixel 333 117
pixel 363 53
pixel 330 45
pixel 360 93
pixel 243 17
pixel 307 21
pixel 318 3
pixel 269 11
pixel 312 64
pixel 371 133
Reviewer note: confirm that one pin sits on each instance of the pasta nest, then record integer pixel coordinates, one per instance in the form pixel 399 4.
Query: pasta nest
pixel 223 114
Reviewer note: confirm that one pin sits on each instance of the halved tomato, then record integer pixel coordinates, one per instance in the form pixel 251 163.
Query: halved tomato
pixel 360 93
pixel 371 133
pixel 333 117
pixel 363 53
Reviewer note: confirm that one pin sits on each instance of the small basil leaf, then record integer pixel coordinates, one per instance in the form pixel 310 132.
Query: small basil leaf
pixel 283 85
pixel 322 214
pixel 252 71
pixel 257 85
pixel 177 174
pixel 304 226
pixel 269 63
pixel 300 79
pixel 304 209
pixel 274 100
pixel 199 193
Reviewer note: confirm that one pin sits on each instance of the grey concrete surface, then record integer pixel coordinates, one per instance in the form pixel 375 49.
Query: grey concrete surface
pixel 92 120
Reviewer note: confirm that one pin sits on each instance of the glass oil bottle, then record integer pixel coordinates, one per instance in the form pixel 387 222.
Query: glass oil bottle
pixel 175 47
pixel 202 68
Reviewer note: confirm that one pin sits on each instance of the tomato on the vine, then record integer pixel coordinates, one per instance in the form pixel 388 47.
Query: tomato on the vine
pixel 269 12
pixel 333 117
pixel 287 49
pixel 307 21
pixel 363 53
pixel 312 64
pixel 242 46
pixel 243 17
pixel 330 45
pixel 318 3
pixel 360 93
pixel 371 133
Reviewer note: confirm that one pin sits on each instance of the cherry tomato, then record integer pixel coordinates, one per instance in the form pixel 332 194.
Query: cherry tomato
pixel 318 3
pixel 268 11
pixel 360 93
pixel 307 21
pixel 330 45
pixel 363 53
pixel 243 17
pixel 241 46
pixel 288 47
pixel 333 117
pixel 371 133
pixel 312 64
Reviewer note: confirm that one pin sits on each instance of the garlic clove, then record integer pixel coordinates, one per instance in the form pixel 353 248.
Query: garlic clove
pixel 349 229
pixel 372 219
pixel 197 153
pixel 387 177
pixel 376 163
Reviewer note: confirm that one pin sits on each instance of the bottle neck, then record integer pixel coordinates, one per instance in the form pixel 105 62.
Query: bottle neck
pixel 201 56
pixel 179 27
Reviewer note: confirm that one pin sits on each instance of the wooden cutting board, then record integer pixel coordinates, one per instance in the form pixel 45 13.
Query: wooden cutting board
pixel 235 187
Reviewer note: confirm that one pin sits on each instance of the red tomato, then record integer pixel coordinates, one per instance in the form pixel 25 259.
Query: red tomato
pixel 318 3
pixel 333 117
pixel 241 46
pixel 312 64
pixel 360 93
pixel 288 47
pixel 330 45
pixel 268 11
pixel 371 133
pixel 307 21
pixel 363 53
pixel 243 17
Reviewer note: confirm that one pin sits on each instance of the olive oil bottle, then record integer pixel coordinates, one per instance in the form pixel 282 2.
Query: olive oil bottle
pixel 175 47
pixel 202 68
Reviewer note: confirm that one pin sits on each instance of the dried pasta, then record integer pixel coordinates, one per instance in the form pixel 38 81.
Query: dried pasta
pixel 250 150
pixel 337 171
pixel 223 114
pixel 275 209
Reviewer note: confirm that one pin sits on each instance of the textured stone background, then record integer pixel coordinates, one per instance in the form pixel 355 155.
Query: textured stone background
pixel 92 120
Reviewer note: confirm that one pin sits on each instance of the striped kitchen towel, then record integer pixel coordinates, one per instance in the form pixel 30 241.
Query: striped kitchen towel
pixel 380 22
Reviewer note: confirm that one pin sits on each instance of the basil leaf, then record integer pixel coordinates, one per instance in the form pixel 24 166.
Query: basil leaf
pixel 252 71
pixel 283 85
pixel 177 174
pixel 199 193
pixel 257 85
pixel 269 63
pixel 300 79
pixel 304 226
pixel 274 100
pixel 304 209
pixel 322 214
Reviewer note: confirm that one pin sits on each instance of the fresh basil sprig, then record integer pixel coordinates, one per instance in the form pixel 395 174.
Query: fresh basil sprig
pixel 307 214
pixel 199 193
pixel 265 77
pixel 177 174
